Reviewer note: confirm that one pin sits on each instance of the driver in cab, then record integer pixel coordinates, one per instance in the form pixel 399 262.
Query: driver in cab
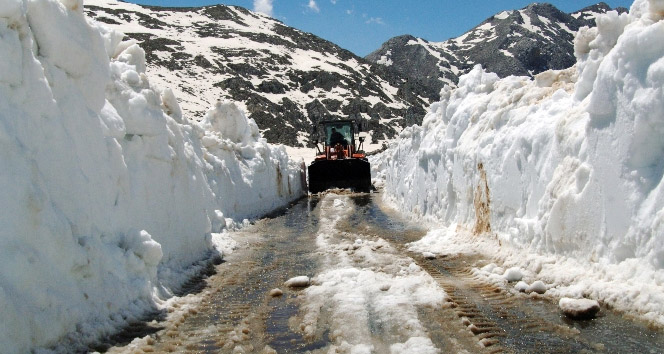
pixel 337 138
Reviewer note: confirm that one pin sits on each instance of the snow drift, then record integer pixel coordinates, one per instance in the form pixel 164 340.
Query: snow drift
pixel 569 164
pixel 108 193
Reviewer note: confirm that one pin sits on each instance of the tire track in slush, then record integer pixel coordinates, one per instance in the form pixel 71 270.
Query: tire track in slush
pixel 505 321
pixel 482 308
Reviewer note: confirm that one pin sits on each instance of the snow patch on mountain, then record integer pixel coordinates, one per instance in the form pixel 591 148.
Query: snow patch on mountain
pixel 561 174
pixel 109 194
pixel 503 15
pixel 385 59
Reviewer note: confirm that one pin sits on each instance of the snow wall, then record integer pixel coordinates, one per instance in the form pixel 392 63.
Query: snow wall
pixel 568 164
pixel 108 194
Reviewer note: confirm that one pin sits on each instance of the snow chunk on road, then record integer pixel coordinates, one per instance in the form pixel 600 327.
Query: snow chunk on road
pixel 298 282
pixel 521 286
pixel 513 274
pixel 429 255
pixel 537 287
pixel 579 308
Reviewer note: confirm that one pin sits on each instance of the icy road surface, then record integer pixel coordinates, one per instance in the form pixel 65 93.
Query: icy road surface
pixel 366 295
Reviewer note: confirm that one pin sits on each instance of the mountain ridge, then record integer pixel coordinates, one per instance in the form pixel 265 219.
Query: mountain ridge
pixel 526 42
pixel 286 79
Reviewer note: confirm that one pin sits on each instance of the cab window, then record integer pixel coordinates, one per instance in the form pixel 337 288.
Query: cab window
pixel 343 128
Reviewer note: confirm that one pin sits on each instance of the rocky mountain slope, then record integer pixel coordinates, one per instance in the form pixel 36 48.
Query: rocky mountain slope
pixel 286 79
pixel 534 39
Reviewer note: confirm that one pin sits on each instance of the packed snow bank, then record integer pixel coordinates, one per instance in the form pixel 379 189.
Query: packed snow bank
pixel 568 164
pixel 108 194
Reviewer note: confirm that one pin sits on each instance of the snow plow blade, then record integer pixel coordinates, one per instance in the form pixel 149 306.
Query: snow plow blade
pixel 354 174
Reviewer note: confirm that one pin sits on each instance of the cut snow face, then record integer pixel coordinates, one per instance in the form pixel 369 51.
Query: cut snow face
pixel 109 194
pixel 571 180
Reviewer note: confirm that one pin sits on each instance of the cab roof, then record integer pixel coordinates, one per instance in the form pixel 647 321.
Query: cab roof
pixel 325 122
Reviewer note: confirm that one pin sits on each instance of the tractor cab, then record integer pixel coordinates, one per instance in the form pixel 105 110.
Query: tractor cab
pixel 339 141
pixel 340 163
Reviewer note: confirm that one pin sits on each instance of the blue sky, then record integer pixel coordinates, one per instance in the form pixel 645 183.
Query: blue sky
pixel 361 26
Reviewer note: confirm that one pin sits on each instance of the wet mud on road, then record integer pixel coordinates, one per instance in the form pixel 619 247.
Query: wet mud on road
pixel 235 311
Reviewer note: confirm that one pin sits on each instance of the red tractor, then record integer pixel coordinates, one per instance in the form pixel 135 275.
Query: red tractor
pixel 341 164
